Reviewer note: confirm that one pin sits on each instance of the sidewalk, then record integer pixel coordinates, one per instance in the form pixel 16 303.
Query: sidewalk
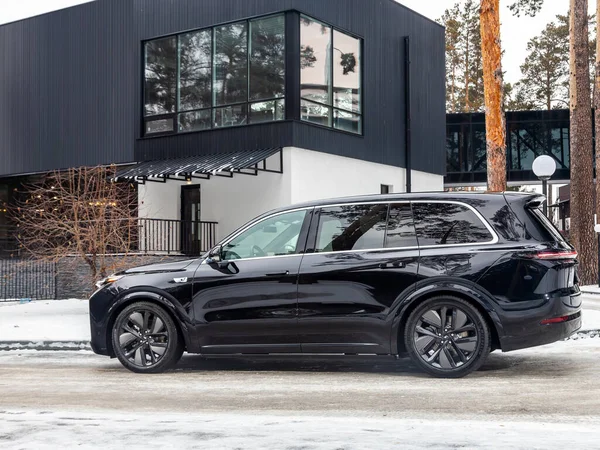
pixel 64 324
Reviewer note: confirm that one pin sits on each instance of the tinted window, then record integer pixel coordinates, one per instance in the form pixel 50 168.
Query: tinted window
pixel 448 223
pixel 400 228
pixel 224 76
pixel 267 63
pixel 274 236
pixel 161 76
pixel 353 227
pixel 330 77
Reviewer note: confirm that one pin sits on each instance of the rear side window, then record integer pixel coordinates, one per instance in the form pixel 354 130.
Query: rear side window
pixel 352 227
pixel 546 229
pixel 448 223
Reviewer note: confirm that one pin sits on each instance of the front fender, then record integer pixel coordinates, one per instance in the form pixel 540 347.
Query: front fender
pixel 437 286
pixel 153 295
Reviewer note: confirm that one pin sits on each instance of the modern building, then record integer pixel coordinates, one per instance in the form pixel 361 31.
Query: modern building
pixel 529 134
pixel 222 109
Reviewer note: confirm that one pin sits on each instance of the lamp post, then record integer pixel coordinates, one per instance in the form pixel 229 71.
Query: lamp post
pixel 543 168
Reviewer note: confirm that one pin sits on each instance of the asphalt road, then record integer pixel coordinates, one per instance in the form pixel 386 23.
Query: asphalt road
pixel 562 379
pixel 540 398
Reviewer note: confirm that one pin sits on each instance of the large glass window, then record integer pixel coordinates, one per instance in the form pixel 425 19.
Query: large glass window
pixel 400 227
pixel 448 223
pixel 331 78
pixel 274 236
pixel 224 76
pixel 352 227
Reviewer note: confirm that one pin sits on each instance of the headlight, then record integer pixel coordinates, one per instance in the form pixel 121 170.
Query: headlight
pixel 108 280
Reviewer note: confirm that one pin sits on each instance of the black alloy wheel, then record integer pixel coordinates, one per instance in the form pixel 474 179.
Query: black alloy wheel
pixel 145 338
pixel 447 337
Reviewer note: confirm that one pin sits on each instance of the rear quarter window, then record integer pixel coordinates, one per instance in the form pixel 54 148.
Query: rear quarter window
pixel 447 224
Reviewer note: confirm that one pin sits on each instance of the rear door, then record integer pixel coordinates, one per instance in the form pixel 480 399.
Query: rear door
pixel 359 259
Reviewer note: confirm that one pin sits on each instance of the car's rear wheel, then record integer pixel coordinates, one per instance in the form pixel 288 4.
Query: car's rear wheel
pixel 145 338
pixel 447 337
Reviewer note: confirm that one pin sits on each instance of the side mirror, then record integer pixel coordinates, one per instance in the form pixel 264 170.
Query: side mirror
pixel 214 256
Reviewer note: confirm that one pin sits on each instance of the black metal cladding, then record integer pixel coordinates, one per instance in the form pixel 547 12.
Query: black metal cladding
pixel 72 84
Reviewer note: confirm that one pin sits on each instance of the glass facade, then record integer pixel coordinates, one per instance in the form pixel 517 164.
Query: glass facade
pixel 330 77
pixel 235 74
pixel 223 76
pixel 529 134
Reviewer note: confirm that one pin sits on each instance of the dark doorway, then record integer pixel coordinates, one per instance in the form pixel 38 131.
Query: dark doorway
pixel 190 220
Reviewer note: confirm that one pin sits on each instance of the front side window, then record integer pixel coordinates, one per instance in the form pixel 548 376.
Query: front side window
pixel 352 227
pixel 448 223
pixel 224 76
pixel 331 78
pixel 274 236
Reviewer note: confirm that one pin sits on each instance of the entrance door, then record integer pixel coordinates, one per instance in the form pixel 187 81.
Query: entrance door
pixel 191 229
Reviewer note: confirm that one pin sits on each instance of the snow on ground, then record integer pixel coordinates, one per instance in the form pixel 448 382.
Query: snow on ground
pixel 68 320
pixel 50 430
pixel 45 320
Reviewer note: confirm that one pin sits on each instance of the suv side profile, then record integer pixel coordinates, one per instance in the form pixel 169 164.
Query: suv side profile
pixel 443 277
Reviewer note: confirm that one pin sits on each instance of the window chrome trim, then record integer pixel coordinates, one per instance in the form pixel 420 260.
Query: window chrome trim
pixel 494 240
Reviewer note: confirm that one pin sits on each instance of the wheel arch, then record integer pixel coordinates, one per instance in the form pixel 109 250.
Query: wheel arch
pixel 474 296
pixel 151 296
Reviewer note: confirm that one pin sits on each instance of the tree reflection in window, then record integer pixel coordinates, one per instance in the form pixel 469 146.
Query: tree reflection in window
pixel 448 223
pixel 353 227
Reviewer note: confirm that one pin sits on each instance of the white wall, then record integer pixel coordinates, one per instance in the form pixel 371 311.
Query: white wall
pixel 317 175
pixel 307 175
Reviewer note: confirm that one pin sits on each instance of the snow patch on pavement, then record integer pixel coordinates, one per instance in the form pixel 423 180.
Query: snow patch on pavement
pixel 45 320
pixel 81 429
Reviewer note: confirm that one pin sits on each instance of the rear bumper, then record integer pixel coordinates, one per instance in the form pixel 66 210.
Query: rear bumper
pixel 542 334
pixel 524 329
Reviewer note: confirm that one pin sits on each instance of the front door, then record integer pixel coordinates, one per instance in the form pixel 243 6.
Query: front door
pixel 190 220
pixel 359 260
pixel 247 301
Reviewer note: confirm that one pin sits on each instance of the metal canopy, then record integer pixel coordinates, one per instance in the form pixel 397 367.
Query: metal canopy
pixel 224 165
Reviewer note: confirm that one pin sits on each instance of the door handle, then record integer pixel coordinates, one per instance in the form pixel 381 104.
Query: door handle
pixel 278 274
pixel 394 265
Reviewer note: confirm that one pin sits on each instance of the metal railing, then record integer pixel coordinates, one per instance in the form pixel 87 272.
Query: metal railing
pixel 176 236
pixel 27 279
pixel 143 235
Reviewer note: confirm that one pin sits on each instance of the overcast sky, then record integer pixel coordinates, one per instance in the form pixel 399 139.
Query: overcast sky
pixel 515 31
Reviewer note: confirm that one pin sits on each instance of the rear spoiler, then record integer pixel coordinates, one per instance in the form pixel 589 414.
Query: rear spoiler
pixel 530 201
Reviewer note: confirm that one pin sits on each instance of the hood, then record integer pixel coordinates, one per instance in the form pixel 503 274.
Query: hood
pixel 160 267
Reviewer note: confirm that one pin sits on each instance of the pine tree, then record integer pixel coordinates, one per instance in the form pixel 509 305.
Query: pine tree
pixel 582 205
pixel 464 68
pixel 546 70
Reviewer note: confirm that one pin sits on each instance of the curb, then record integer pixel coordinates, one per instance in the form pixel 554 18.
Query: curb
pixel 45 345
pixel 590 292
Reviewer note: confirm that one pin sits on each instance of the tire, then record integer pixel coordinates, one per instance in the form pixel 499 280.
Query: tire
pixel 139 335
pixel 453 350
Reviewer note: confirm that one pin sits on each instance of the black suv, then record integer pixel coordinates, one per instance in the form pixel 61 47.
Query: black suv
pixel 444 277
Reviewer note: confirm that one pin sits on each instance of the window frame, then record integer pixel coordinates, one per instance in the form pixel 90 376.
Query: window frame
pixel 332 108
pixel 213 108
pixel 314 227
pixel 482 219
pixel 304 232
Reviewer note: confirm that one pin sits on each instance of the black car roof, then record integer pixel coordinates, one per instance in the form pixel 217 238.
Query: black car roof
pixel 467 197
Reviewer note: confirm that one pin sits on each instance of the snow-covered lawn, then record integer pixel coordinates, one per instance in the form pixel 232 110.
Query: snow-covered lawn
pixel 76 429
pixel 47 320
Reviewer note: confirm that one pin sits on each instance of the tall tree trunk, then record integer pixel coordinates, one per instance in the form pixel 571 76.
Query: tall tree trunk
pixel 582 177
pixel 467 80
pixel 495 128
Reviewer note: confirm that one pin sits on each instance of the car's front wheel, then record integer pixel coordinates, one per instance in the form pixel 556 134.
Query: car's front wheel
pixel 145 338
pixel 447 337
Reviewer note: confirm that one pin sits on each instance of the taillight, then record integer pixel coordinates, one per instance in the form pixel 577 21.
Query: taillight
pixel 555 320
pixel 553 255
